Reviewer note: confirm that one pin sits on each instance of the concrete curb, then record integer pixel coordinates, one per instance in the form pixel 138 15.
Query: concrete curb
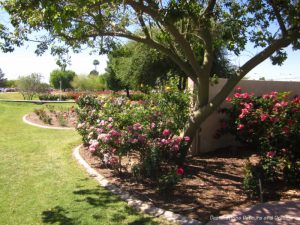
pixel 132 201
pixel 42 126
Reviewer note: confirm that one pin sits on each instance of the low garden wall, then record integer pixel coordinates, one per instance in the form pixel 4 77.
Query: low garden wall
pixel 206 141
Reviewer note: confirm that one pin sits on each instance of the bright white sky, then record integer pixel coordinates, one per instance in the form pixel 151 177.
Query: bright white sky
pixel 23 61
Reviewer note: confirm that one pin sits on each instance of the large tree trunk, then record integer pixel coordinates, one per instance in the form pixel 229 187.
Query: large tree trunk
pixel 200 90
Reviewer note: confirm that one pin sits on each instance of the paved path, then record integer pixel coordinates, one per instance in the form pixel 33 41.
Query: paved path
pixel 281 213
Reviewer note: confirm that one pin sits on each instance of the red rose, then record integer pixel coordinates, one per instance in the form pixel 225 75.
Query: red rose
pixel 179 171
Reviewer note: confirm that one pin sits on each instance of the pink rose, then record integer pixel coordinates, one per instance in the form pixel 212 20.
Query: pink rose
pixel 166 132
pixel 228 99
pixel 152 126
pixel 240 126
pixel 263 117
pixel 187 138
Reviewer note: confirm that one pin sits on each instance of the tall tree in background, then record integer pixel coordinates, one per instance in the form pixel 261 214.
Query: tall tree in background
pixel 184 25
pixel 96 63
pixel 2 79
pixel 94 71
pixel 136 64
pixel 62 79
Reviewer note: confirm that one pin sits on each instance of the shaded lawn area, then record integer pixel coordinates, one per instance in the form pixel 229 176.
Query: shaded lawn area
pixel 40 182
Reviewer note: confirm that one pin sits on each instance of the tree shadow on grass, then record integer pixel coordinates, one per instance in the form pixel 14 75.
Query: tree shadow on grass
pixel 101 200
pixel 96 197
pixel 57 215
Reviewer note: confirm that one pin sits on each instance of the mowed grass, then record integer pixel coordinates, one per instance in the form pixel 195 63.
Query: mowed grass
pixel 40 182
pixel 11 95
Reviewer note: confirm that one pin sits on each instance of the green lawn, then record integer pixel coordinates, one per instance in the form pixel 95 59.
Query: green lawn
pixel 11 95
pixel 40 182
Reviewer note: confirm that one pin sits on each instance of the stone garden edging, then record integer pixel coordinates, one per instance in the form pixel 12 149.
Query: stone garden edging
pixel 42 126
pixel 132 201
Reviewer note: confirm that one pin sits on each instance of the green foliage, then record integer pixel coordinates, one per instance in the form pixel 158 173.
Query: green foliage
pixel 10 83
pixel 50 97
pixel 64 77
pixel 31 85
pixel 113 83
pixel 271 124
pixel 136 64
pixel 115 126
pixel 89 83
pixel 168 181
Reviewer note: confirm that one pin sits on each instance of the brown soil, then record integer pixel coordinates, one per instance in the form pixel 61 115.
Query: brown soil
pixel 212 186
pixel 71 120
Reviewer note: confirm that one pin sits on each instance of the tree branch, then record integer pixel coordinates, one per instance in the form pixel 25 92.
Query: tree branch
pixel 209 9
pixel 183 65
pixel 278 17
pixel 143 25
pixel 156 15
pixel 201 114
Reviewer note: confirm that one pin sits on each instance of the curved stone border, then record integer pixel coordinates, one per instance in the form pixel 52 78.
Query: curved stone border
pixel 42 126
pixel 133 202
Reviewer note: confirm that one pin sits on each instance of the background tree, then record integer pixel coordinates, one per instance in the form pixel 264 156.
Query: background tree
pixel 94 71
pixel 96 63
pixel 31 85
pixel 11 83
pixel 65 77
pixel 2 79
pixel 89 83
pixel 184 25
pixel 112 82
pixel 136 64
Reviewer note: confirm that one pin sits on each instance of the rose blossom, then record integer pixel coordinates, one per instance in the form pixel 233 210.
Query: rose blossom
pixel 187 138
pixel 166 132
pixel 270 154
pixel 240 126
pixel 263 117
pixel 180 171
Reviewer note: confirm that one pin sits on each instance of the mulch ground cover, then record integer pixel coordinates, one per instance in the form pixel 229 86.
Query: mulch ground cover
pixel 212 185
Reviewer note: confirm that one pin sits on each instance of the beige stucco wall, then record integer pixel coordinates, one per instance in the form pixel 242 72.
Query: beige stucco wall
pixel 206 142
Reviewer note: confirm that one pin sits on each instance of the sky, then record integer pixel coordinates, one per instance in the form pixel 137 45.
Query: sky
pixel 23 61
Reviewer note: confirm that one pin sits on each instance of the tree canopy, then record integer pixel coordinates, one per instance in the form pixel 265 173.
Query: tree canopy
pixel 184 25
pixel 65 77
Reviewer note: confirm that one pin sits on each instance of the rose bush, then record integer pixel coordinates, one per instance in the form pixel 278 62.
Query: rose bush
pixel 271 124
pixel 147 130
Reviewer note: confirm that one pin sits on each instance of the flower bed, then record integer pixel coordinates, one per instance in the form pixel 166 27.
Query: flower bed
pixel 137 145
pixel 54 116
pixel 115 127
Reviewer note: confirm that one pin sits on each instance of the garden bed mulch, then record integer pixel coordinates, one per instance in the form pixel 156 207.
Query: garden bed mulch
pixel 212 185
pixel 70 122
